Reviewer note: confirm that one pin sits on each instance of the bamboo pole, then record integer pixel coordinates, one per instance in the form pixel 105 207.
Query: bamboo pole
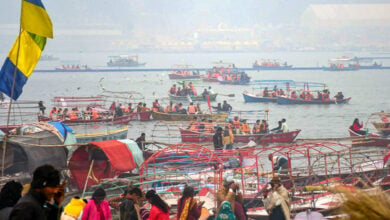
pixel 86 181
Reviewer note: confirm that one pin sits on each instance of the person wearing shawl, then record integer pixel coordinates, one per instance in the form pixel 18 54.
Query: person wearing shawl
pixel 9 196
pixel 277 203
pixel 187 206
pixel 97 207
pixel 230 192
pixel 225 212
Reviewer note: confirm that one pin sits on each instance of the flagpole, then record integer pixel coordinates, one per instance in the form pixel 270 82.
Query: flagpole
pixel 12 94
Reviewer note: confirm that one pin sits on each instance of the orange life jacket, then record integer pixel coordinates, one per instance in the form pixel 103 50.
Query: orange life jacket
pixel 191 109
pixel 95 114
pixel 236 124
pixel 72 115
pixel 245 128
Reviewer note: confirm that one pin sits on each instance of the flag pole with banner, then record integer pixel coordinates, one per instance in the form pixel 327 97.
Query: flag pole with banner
pixel 35 27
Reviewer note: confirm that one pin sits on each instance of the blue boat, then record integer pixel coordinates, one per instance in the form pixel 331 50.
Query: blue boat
pixel 235 82
pixel 289 101
pixel 254 98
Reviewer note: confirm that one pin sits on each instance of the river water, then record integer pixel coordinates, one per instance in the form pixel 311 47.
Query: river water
pixel 369 89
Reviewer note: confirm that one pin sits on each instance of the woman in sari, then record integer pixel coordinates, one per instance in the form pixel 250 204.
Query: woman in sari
pixel 187 206
pixel 225 212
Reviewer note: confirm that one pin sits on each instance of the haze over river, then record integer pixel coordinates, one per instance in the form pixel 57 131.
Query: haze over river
pixel 369 89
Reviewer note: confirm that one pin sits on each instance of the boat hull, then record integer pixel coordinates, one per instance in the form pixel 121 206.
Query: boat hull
pixel 193 98
pixel 371 140
pixel 340 69
pixel 187 117
pixel 199 137
pixel 102 136
pixel 210 79
pixel 288 101
pixel 125 65
pixel 226 82
pixel 179 76
pixel 252 98
pixel 258 67
pixel 382 127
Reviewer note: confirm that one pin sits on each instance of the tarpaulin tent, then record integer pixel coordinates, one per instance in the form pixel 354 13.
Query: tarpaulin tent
pixel 110 158
pixel 24 153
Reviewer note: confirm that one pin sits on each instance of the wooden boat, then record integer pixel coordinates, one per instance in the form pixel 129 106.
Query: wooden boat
pixel 187 117
pixel 181 76
pixel 383 127
pixel 211 79
pixel 116 120
pixel 235 82
pixel 197 137
pixel 120 133
pixel 373 140
pixel 193 98
pixel 182 72
pixel 286 101
pixel 254 98
pixel 269 65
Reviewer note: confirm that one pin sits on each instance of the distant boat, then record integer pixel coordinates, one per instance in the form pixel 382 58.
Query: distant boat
pixel 124 61
pixel 270 65
pixel 48 58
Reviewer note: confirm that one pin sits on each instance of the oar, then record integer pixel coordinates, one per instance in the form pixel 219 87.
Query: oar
pixel 228 95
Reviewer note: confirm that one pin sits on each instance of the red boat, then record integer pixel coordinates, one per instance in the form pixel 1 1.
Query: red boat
pixel 197 137
pixel 141 116
pixel 372 140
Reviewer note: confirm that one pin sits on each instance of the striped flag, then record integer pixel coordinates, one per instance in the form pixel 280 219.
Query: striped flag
pixel 25 53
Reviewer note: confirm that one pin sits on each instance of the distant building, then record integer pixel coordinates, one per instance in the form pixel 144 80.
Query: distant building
pixel 341 15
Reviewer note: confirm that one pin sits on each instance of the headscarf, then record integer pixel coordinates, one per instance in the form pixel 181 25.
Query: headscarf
pixel 10 194
pixel 225 212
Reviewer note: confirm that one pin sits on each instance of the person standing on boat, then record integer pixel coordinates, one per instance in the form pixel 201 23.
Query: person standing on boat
pixel 228 137
pixel 205 93
pixel 277 201
pixel 128 109
pixel 217 139
pixel 211 91
pixel 42 108
pixel 356 127
pixel 280 163
pixel 284 127
pixel 156 106
pixel 112 107
pixel 141 141
pixel 226 107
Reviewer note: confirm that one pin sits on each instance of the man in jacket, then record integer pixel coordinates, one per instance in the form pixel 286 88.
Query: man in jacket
pixel 130 206
pixel 44 199
pixel 217 139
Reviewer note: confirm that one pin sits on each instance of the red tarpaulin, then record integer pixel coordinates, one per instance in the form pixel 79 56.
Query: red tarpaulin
pixel 110 158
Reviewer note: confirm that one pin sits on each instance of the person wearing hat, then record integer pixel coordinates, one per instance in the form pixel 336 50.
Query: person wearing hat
pixel 97 207
pixel 217 139
pixel 44 199
pixel 277 201
pixel 230 192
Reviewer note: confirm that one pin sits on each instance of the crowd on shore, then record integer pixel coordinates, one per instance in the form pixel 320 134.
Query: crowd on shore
pixel 43 199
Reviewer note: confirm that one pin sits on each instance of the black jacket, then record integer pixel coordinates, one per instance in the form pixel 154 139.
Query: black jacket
pixel 217 139
pixel 33 206
pixel 127 210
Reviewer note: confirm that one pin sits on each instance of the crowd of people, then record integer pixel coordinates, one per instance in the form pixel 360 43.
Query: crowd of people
pixel 224 138
pixel 307 95
pixel 43 199
pixel 185 90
